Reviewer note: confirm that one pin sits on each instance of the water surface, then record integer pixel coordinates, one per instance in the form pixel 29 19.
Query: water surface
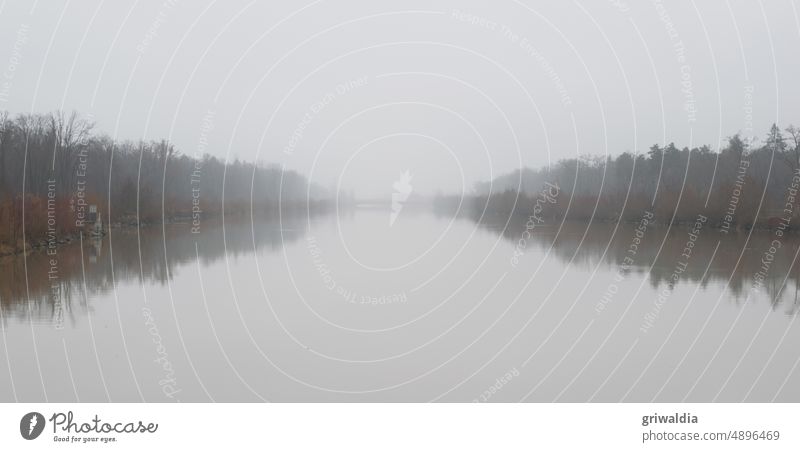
pixel 352 308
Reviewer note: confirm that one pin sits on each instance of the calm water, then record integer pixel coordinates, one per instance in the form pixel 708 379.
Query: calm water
pixel 429 308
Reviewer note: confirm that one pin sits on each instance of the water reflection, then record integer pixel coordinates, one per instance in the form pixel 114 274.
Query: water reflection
pixel 35 290
pixel 732 258
pixel 283 322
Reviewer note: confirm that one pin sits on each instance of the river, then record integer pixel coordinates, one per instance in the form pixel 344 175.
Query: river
pixel 356 307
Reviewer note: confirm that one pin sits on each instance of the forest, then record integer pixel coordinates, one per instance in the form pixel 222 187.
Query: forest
pixel 744 185
pixel 54 166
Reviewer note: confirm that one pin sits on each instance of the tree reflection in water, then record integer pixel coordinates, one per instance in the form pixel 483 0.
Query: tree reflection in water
pixel 29 293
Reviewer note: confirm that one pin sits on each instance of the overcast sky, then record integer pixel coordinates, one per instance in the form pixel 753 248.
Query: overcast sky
pixel 356 92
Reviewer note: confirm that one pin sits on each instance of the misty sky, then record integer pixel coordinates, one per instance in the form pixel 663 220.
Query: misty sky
pixel 354 93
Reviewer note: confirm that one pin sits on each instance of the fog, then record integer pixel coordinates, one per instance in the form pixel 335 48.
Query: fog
pixel 408 201
pixel 352 94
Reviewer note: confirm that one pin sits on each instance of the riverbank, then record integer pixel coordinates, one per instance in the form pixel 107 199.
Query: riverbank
pixel 131 222
pixel 26 247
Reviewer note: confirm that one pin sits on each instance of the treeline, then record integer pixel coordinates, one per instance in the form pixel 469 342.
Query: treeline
pixel 675 184
pixel 53 166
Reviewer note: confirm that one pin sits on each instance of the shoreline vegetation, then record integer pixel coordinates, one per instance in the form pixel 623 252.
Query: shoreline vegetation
pixel 744 186
pixel 58 178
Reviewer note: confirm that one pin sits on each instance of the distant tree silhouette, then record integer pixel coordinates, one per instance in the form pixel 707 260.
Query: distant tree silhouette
pixel 58 154
pixel 676 184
